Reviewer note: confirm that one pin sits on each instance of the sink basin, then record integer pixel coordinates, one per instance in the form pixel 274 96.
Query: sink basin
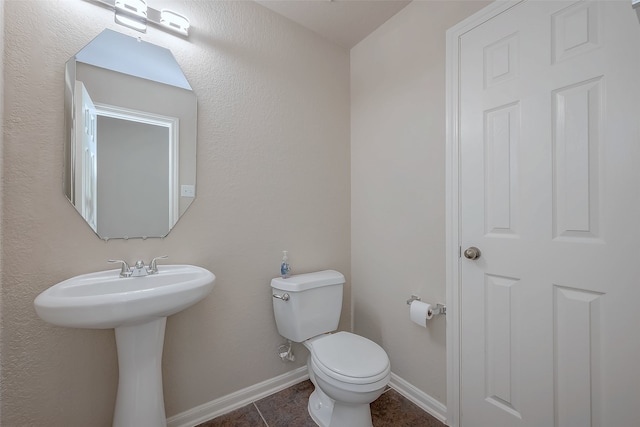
pixel 137 308
pixel 105 300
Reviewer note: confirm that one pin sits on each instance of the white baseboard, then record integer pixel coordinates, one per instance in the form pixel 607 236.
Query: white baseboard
pixel 240 398
pixel 427 403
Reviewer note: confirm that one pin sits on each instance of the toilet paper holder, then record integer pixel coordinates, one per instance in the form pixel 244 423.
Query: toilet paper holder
pixel 438 309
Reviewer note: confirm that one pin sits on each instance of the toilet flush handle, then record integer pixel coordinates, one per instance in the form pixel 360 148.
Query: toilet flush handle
pixel 284 297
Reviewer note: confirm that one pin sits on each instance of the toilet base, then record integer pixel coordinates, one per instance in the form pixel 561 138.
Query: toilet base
pixel 320 408
pixel 326 413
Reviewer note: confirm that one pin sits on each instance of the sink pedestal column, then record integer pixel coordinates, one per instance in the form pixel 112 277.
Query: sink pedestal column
pixel 140 400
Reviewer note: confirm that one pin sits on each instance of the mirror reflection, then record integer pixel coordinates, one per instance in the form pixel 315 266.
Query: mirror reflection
pixel 130 153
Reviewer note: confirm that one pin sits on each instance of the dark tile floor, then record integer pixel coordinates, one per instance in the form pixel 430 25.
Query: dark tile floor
pixel 288 408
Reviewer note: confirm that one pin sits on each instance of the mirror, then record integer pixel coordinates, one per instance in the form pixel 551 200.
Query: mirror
pixel 130 151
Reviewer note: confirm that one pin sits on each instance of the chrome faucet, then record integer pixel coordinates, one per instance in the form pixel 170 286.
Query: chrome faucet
pixel 139 269
pixel 125 270
pixel 153 267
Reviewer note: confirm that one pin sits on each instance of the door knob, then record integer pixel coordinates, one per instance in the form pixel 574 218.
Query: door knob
pixel 472 253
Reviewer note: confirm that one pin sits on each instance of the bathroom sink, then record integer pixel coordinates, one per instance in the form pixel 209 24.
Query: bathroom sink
pixel 105 300
pixel 137 308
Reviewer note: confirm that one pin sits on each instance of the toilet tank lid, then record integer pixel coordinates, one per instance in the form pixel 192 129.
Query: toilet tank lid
pixel 303 282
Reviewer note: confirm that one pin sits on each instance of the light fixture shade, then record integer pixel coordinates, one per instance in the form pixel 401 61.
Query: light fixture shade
pixel 174 21
pixel 132 14
pixel 137 8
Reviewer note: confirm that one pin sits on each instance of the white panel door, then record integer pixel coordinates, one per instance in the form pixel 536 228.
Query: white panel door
pixel 549 106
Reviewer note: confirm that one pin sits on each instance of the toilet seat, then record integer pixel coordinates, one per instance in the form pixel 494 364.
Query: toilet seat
pixel 349 358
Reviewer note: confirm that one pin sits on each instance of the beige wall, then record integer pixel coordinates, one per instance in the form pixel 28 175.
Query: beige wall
pixel 273 174
pixel 1 180
pixel 398 186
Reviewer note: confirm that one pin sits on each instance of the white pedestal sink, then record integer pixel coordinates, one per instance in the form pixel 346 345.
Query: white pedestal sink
pixel 137 308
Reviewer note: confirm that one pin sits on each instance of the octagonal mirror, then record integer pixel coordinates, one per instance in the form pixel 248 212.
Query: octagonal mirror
pixel 130 151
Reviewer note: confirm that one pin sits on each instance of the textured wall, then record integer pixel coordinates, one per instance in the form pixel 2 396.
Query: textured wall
pixel 398 186
pixel 273 174
pixel 1 163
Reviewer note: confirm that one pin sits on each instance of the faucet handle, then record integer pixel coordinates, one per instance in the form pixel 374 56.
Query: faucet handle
pixel 125 271
pixel 153 266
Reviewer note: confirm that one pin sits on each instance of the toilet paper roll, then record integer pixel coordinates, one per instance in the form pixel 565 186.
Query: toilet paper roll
pixel 420 312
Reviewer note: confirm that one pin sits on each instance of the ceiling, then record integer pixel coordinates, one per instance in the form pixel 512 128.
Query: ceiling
pixel 344 22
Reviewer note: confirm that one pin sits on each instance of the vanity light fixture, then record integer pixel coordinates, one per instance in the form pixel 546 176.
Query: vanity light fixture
pixel 137 15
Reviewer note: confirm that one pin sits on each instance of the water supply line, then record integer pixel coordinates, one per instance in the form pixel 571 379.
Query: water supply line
pixel 285 352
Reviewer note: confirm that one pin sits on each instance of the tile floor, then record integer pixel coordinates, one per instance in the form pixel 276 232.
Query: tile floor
pixel 288 408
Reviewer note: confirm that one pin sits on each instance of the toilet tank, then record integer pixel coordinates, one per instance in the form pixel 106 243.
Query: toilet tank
pixel 313 306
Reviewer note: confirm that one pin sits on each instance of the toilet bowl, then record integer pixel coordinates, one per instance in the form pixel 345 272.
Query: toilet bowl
pixel 348 371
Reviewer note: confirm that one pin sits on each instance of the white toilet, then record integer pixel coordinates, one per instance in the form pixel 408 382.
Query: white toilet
pixel 348 371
